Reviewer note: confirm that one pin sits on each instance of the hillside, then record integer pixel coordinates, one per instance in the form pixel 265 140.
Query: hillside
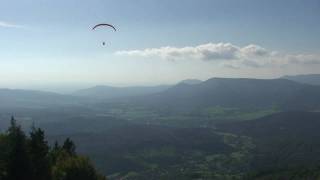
pixel 313 79
pixel 278 143
pixel 149 149
pixel 283 140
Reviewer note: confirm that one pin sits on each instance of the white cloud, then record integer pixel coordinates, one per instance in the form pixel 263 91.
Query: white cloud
pixel 254 50
pixel 4 24
pixel 220 51
pixel 226 53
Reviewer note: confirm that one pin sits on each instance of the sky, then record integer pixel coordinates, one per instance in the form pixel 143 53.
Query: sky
pixel 47 44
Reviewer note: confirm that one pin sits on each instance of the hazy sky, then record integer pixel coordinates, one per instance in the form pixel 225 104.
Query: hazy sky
pixel 50 42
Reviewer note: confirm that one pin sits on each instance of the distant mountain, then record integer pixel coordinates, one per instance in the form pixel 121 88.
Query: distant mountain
pixel 313 79
pixel 191 81
pixel 240 93
pixel 109 92
pixel 15 98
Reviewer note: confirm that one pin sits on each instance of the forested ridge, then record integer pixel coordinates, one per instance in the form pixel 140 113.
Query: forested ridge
pixel 29 156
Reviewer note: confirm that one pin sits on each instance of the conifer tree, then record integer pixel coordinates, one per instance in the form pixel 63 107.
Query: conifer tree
pixel 69 147
pixel 38 150
pixel 18 161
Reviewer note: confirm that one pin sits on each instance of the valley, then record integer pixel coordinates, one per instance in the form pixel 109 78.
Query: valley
pixel 216 129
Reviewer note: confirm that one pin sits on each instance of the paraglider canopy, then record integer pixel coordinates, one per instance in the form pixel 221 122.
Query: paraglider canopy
pixel 104 25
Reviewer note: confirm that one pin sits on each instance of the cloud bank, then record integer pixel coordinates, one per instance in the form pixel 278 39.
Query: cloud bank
pixel 227 54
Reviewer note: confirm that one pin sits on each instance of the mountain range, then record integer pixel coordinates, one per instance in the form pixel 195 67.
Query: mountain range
pixel 191 94
pixel 237 93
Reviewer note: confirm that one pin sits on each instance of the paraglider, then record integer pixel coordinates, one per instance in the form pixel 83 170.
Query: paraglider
pixel 104 25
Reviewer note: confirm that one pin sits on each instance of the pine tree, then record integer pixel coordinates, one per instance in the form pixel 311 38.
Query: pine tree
pixel 56 146
pixel 3 156
pixel 18 162
pixel 69 147
pixel 38 150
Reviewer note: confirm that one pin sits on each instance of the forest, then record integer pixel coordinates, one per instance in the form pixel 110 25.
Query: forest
pixel 30 157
